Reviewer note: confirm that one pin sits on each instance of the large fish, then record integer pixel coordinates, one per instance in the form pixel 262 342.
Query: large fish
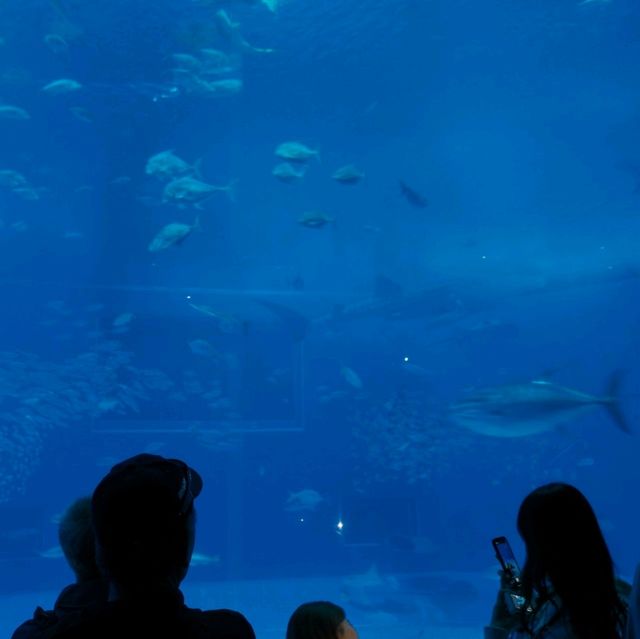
pixel 535 407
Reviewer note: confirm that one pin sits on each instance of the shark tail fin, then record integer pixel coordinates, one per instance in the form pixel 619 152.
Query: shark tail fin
pixel 612 402
pixel 232 190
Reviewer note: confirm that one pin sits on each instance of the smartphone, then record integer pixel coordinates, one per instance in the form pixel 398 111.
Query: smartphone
pixel 514 600
pixel 506 557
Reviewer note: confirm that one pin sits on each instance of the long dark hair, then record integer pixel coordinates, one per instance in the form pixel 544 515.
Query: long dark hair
pixel 568 557
pixel 316 620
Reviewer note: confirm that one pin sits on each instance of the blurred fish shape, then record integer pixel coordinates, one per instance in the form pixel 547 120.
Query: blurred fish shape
pixel 296 152
pixel 27 193
pixel 56 43
pixel 348 175
pixel 166 165
pixel 80 113
pixel 171 235
pixel 315 220
pixel 203 348
pixel 412 196
pixel 351 377
pixel 306 500
pixel 226 86
pixel 55 552
pixel 9 112
pixel 186 61
pixel 122 320
pixel 12 179
pixel 190 191
pixel 288 173
pixel 536 407
pixel 216 62
pixel 62 86
pixel 201 559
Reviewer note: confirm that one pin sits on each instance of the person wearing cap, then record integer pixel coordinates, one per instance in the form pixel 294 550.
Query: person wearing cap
pixel 144 525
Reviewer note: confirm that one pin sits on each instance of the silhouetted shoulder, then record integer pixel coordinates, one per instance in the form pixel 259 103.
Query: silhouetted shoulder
pixel 226 624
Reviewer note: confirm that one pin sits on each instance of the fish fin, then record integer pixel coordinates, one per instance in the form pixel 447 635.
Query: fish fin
pixel 197 168
pixel 612 402
pixel 231 190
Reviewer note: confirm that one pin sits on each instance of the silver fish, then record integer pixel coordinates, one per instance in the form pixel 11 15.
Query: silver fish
pixel 171 235
pixel 535 407
pixel 59 87
pixel 166 165
pixel 348 175
pixel 295 152
pixel 189 191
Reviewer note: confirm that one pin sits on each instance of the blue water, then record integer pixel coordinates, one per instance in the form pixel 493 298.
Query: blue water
pixel 518 122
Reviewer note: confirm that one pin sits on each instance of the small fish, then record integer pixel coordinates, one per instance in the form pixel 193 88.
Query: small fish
pixel 172 235
pixel 60 87
pixel 54 552
pixel 122 320
pixel 315 220
pixel 288 173
pixel 56 43
pixel 27 193
pixel 81 114
pixel 216 62
pixel 188 190
pixel 412 196
pixel 348 175
pixel 351 377
pixel 295 152
pixel 200 559
pixel 227 86
pixel 166 165
pixel 203 348
pixel 12 179
pixel 187 61
pixel 8 112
